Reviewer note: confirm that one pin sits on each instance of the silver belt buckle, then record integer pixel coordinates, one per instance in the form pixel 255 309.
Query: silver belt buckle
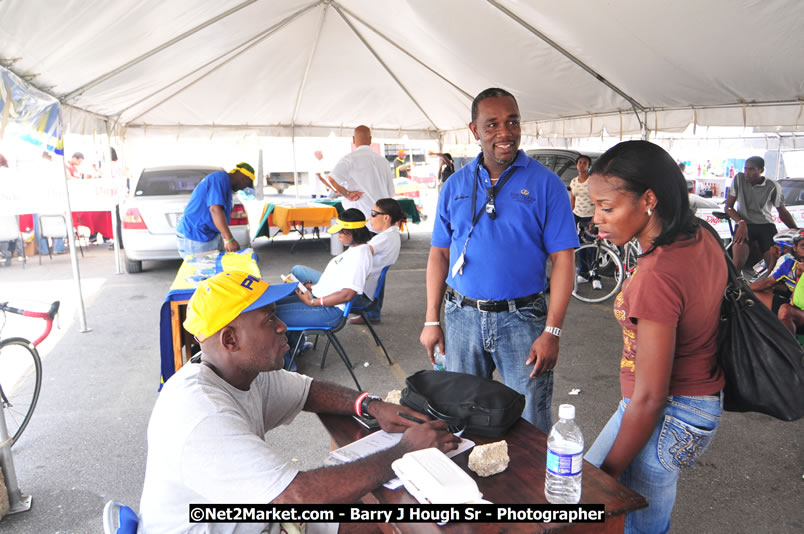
pixel 478 303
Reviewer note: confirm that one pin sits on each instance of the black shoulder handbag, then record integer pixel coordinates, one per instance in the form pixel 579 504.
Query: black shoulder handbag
pixel 762 361
pixel 482 406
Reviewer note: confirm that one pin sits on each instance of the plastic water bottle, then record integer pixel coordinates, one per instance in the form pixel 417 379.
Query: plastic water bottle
pixel 562 477
pixel 440 361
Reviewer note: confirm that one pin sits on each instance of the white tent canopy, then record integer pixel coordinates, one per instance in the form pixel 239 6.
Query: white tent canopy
pixel 311 67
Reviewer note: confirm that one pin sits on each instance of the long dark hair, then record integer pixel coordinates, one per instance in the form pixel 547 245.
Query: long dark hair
pixel 643 165
pixel 359 235
pixel 391 207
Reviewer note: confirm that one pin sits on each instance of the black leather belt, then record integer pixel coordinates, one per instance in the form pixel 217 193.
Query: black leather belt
pixel 492 305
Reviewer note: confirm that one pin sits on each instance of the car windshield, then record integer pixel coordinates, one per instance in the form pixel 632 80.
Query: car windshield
pixel 169 182
pixel 793 191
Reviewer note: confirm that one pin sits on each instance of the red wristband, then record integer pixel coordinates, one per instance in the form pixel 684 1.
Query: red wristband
pixel 358 402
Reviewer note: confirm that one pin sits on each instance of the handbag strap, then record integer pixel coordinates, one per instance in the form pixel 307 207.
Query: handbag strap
pixel 735 281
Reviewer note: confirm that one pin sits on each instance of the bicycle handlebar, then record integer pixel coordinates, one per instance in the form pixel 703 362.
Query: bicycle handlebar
pixel 47 316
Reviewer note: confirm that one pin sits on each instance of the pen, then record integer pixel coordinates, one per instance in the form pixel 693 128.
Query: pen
pixel 410 417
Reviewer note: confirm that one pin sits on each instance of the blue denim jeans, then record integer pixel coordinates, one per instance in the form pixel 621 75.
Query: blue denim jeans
pixel 683 433
pixel 188 246
pixel 479 342
pixel 304 274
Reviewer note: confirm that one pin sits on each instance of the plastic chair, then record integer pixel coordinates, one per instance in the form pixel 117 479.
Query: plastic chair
pixel 363 312
pixel 330 332
pixel 10 231
pixel 53 226
pixel 119 519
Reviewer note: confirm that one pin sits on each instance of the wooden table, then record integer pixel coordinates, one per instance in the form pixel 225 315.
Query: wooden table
pixel 521 483
pixel 174 341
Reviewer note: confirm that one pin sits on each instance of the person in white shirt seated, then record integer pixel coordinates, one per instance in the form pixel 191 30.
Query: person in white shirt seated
pixel 344 277
pixel 385 217
pixel 209 437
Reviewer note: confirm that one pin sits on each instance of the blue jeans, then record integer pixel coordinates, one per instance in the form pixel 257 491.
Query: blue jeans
pixel 305 274
pixel 478 342
pixel 293 312
pixel 188 246
pixel 683 433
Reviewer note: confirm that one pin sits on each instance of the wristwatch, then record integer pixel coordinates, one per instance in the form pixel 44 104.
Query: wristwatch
pixel 553 330
pixel 364 404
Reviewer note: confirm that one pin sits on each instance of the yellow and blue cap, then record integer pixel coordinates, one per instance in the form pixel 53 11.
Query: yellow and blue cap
pixel 220 299
pixel 245 169
pixel 345 225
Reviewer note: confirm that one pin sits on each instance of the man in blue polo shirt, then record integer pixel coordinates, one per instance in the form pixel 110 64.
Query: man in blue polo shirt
pixel 206 217
pixel 499 218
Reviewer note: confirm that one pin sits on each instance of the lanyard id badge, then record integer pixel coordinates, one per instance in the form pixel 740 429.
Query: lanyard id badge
pixel 487 207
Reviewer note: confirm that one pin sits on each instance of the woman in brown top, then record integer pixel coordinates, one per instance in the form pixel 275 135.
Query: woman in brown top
pixel 669 377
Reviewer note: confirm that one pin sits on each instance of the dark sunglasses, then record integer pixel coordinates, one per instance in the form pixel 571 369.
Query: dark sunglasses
pixel 375 213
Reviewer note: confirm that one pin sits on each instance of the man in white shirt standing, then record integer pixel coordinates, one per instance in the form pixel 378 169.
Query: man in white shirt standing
pixel 362 177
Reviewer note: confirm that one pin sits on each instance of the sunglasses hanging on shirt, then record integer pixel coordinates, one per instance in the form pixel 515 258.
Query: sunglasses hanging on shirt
pixel 491 209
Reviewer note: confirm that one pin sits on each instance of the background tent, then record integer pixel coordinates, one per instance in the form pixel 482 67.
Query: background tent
pixel 309 67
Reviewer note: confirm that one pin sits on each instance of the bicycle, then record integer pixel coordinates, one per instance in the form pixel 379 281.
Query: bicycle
pixel 606 271
pixel 19 391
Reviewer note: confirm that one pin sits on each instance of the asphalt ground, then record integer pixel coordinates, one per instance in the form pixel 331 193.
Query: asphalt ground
pixel 86 443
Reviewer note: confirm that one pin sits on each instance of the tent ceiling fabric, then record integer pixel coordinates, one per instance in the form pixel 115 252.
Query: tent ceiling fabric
pixel 310 66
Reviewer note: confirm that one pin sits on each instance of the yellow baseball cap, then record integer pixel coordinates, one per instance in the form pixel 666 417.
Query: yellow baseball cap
pixel 246 169
pixel 345 225
pixel 218 300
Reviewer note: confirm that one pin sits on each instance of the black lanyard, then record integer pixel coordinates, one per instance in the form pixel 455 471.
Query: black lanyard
pixel 494 190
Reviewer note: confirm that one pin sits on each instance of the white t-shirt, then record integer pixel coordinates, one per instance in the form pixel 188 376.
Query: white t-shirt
pixel 318 167
pixel 207 444
pixel 386 251
pixel 346 271
pixel 364 170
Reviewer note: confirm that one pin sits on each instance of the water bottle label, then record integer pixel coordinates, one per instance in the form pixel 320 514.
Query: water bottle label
pixel 565 465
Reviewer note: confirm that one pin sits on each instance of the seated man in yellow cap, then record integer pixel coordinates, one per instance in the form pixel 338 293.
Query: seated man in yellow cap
pixel 207 439
pixel 206 216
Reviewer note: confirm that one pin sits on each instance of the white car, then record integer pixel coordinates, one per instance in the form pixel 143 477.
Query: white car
pixel 153 208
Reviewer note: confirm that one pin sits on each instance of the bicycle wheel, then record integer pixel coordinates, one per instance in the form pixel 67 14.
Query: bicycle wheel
pixel 632 252
pixel 603 265
pixel 20 382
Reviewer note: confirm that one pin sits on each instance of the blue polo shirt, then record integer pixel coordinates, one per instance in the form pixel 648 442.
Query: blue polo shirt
pixel 506 256
pixel 196 224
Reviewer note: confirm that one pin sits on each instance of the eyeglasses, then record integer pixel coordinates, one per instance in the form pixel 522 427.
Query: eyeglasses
pixel 375 213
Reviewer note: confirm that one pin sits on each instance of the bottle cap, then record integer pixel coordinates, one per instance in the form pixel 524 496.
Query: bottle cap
pixel 566 411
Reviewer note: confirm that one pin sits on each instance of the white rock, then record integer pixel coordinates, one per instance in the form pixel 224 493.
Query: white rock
pixel 490 459
pixel 393 396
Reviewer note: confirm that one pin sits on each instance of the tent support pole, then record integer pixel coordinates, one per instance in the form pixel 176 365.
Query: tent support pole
pixel 82 315
pixel 118 70
pixel 295 172
pixel 118 265
pixel 599 77
pixel 249 44
pixel 404 51
pixel 384 65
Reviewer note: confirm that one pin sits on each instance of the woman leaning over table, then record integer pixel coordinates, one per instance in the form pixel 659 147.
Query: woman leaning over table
pixel 669 377
pixel 385 217
pixel 344 277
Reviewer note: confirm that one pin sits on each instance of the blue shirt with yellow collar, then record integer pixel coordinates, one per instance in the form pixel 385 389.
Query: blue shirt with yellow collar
pixel 506 256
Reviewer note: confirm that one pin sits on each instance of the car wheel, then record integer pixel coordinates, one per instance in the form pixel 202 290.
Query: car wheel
pixel 133 266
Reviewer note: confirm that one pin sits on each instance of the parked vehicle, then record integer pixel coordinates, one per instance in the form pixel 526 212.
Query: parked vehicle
pixel 153 208
pixel 561 161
